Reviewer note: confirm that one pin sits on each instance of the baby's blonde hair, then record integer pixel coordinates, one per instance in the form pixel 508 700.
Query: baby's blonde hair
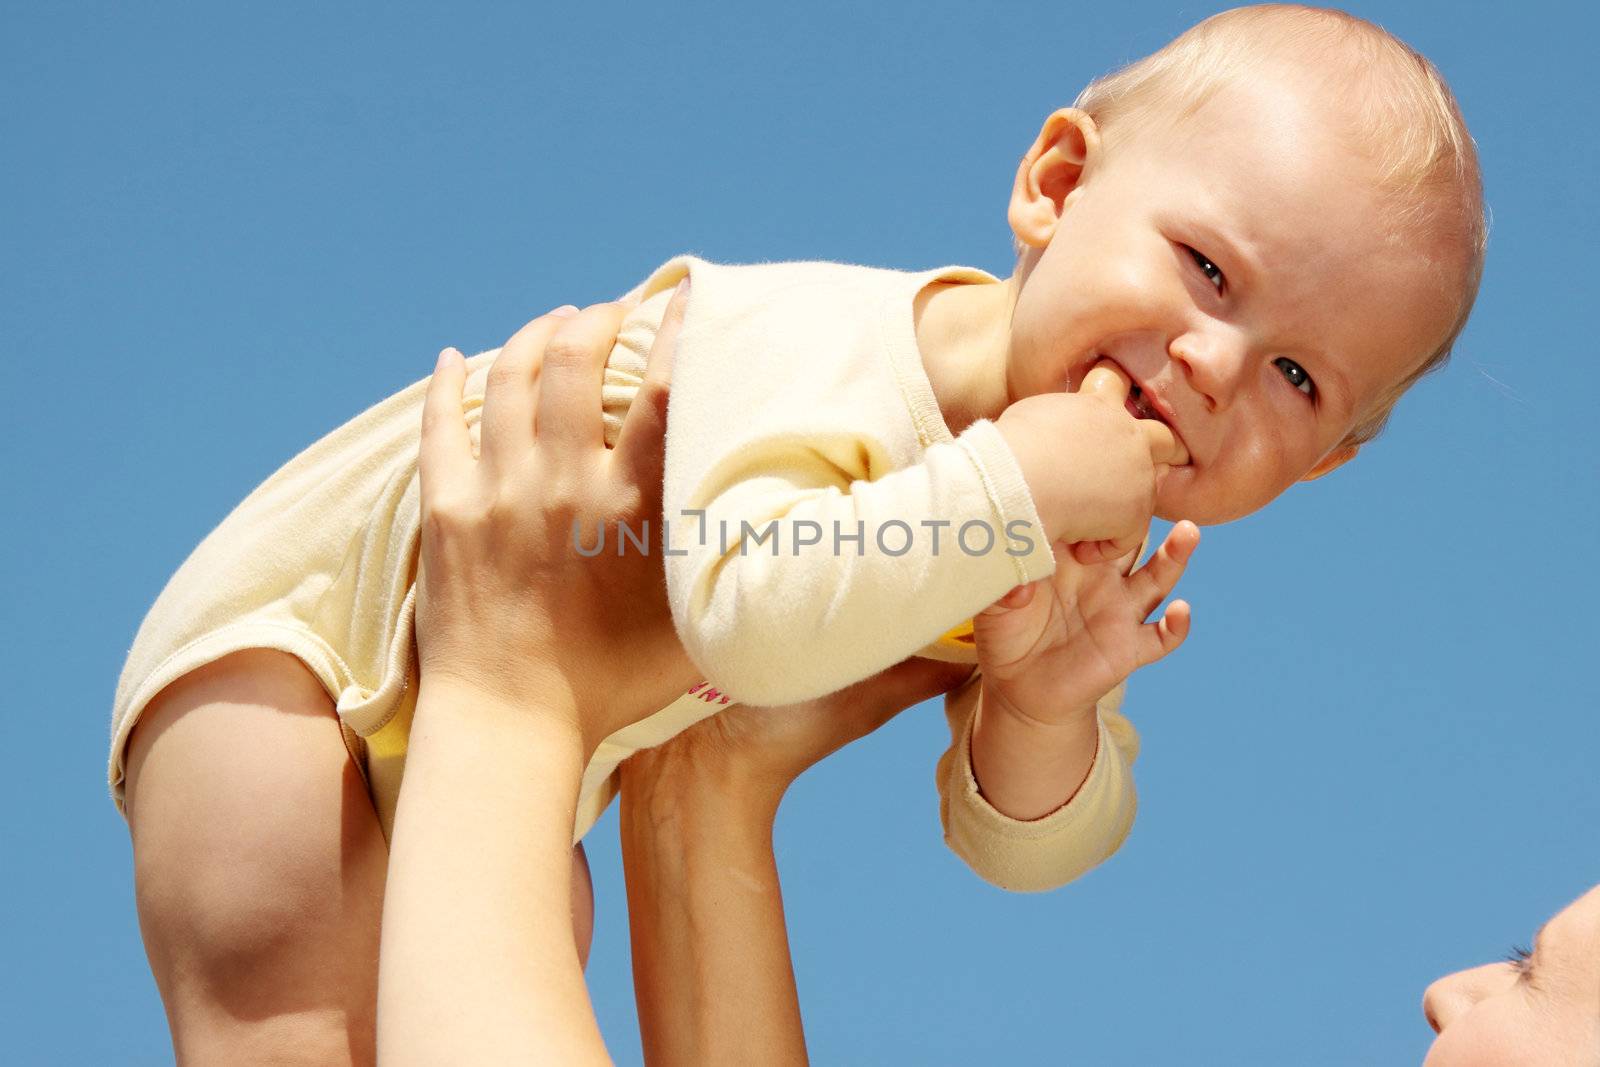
pixel 1398 107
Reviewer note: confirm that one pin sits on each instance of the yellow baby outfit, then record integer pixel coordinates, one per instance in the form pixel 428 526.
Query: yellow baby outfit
pixel 798 400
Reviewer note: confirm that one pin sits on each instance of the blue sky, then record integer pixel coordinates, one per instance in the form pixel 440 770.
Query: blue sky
pixel 229 230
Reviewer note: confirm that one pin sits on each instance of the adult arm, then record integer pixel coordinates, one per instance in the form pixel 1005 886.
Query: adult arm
pixel 711 967
pixel 712 972
pixel 477 962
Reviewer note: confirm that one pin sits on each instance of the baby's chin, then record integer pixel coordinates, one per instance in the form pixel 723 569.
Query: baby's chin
pixel 1182 494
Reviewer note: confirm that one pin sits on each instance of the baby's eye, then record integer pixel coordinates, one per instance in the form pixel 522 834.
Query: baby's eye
pixel 1208 268
pixel 1297 375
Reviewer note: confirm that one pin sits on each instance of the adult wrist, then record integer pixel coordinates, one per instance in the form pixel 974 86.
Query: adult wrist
pixel 452 704
pixel 663 784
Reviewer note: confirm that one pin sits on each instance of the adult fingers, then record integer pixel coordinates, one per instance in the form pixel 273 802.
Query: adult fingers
pixel 885 695
pixel 911 682
pixel 510 393
pixel 641 446
pixel 445 455
pixel 569 413
pixel 1109 382
pixel 1158 638
pixel 1159 576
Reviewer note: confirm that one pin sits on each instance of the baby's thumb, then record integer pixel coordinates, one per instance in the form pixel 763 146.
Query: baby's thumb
pixel 1165 447
pixel 1089 553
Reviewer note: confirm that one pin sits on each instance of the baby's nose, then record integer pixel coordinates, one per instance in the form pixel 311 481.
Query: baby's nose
pixel 1214 366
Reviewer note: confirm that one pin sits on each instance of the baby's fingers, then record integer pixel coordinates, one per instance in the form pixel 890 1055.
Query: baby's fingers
pixel 445 455
pixel 1018 597
pixel 1108 382
pixel 1159 576
pixel 1089 553
pixel 1165 446
pixel 1158 638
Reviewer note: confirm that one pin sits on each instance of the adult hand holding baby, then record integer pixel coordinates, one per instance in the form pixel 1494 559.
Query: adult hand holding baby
pixel 519 638
pixel 484 627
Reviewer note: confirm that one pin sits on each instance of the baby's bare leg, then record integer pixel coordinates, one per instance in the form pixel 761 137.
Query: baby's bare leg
pixel 258 866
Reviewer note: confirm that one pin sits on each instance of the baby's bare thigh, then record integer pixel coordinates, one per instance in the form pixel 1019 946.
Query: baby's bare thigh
pixel 258 866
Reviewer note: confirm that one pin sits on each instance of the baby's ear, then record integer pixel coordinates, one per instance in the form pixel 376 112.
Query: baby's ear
pixel 1337 458
pixel 1049 172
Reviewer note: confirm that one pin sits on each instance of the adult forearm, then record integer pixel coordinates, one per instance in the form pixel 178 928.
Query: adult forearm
pixel 1026 768
pixel 477 961
pixel 710 952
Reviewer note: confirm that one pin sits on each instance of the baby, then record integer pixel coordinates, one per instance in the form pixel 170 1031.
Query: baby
pixel 1255 240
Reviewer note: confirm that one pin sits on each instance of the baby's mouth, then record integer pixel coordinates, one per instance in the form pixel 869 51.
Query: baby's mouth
pixel 1140 407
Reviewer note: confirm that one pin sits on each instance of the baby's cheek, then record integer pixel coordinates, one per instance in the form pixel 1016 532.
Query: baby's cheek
pixel 1256 474
pixel 1206 496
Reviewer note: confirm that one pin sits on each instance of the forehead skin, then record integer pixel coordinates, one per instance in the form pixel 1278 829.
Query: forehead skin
pixel 1269 162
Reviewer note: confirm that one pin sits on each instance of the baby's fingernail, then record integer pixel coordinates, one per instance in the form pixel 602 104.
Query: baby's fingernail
pixel 446 355
pixel 565 311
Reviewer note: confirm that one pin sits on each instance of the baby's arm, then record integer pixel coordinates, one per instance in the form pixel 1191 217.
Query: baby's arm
pixel 1034 855
pixel 1033 793
pixel 774 629
pixel 789 427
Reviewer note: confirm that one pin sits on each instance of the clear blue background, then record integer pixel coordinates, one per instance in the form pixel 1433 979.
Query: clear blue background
pixel 228 231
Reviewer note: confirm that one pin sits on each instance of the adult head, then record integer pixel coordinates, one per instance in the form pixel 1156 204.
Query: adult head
pixel 1538 1007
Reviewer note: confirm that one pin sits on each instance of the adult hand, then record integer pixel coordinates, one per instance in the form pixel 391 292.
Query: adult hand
pixel 501 574
pixel 710 953
pixel 765 749
pixel 520 637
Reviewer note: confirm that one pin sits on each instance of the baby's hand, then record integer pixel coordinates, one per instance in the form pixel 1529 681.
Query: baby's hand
pixel 1090 466
pixel 1051 649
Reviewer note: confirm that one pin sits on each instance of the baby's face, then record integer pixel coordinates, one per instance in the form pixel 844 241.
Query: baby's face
pixel 1235 265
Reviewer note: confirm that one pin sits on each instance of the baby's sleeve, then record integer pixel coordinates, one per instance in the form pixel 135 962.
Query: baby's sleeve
pixel 1040 854
pixel 779 433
